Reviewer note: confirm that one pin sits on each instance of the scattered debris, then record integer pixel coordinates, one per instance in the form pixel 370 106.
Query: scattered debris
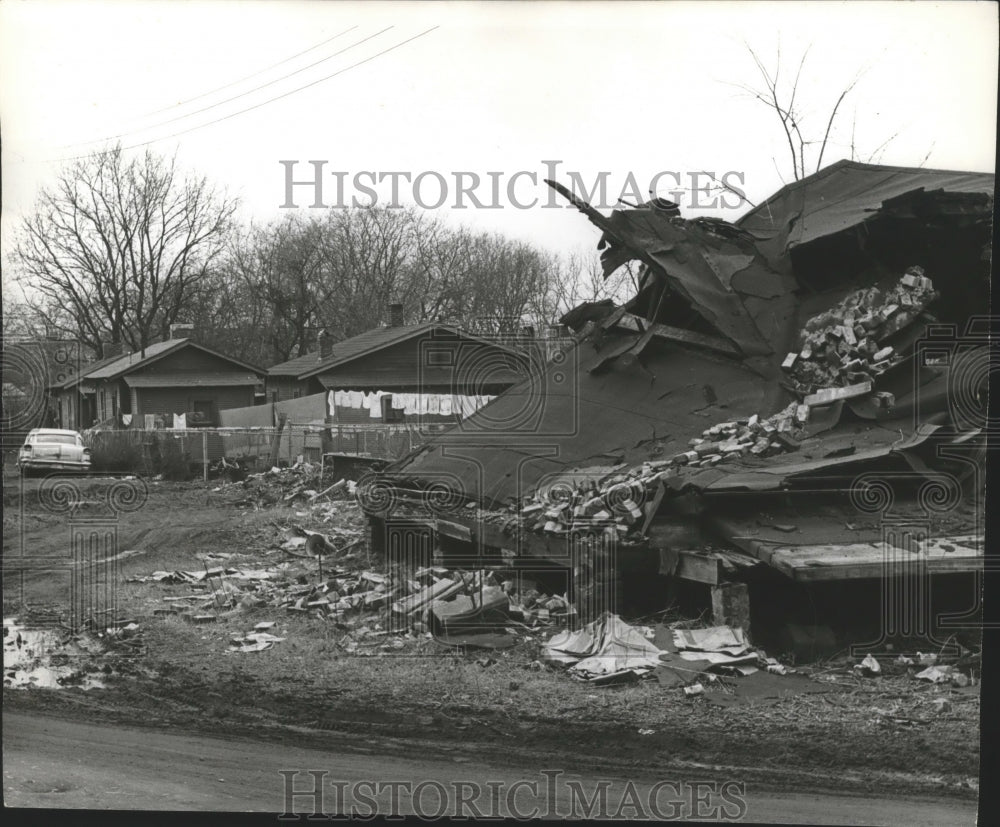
pixel 869 667
pixel 256 641
pixel 301 483
pixel 606 650
pixel 935 674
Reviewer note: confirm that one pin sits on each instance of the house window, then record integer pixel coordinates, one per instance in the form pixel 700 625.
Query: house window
pixel 204 409
pixel 390 414
pixel 296 393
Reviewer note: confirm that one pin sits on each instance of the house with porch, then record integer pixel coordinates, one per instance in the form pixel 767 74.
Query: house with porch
pixel 177 377
pixel 431 372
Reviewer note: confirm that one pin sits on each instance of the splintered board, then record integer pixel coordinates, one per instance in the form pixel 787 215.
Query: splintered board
pixel 862 560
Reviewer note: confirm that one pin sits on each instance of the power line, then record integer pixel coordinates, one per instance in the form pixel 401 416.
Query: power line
pixel 248 77
pixel 227 100
pixel 270 100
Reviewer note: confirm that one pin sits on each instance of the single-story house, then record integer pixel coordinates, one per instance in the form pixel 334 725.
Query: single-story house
pixel 173 377
pixel 407 369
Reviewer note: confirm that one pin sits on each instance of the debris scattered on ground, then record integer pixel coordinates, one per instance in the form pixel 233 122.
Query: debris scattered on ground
pixel 255 641
pixel 869 667
pixel 934 674
pixel 604 651
pixel 609 651
pixel 302 482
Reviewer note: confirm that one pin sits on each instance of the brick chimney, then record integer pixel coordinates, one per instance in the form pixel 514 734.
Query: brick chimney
pixel 325 344
pixel 182 330
pixel 395 315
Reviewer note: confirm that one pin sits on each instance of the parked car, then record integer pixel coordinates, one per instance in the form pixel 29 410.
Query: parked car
pixel 50 449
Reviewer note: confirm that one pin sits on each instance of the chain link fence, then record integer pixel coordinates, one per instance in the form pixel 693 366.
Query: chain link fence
pixel 140 451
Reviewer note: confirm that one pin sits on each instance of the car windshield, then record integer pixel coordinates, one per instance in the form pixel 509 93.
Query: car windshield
pixel 55 439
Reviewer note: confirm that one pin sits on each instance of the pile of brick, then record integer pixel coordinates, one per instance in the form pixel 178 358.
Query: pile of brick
pixel 752 436
pixel 842 347
pixel 612 504
pixel 841 353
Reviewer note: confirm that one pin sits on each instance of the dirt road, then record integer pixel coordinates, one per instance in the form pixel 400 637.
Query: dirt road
pixel 50 762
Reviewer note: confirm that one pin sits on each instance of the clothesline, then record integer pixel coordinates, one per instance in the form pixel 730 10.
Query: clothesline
pixel 434 404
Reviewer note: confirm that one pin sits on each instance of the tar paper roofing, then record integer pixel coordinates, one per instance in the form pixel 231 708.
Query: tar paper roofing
pixel 845 194
pixel 120 365
pixel 303 367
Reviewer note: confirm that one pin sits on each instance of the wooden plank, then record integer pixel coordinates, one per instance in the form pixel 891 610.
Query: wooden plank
pixel 675 532
pixel 867 560
pixel 455 530
pixel 698 566
pixel 631 322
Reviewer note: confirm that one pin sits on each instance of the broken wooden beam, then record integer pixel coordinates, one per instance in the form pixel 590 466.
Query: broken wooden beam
pixel 629 321
pixel 828 395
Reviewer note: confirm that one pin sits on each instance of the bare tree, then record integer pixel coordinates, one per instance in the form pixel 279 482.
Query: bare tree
pixel 368 259
pixel 580 278
pixel 119 249
pixel 340 270
pixel 806 134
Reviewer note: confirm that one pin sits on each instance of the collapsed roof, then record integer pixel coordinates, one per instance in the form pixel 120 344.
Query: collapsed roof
pixel 719 307
pixel 847 194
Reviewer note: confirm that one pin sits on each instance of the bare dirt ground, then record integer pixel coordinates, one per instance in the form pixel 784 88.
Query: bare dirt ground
pixel 890 735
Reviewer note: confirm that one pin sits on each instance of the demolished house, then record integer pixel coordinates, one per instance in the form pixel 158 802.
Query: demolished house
pixel 790 403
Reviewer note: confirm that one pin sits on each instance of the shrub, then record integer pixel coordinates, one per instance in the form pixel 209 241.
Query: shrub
pixel 173 464
pixel 117 457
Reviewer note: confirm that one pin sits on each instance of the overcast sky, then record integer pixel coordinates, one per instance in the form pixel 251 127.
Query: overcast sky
pixel 500 87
